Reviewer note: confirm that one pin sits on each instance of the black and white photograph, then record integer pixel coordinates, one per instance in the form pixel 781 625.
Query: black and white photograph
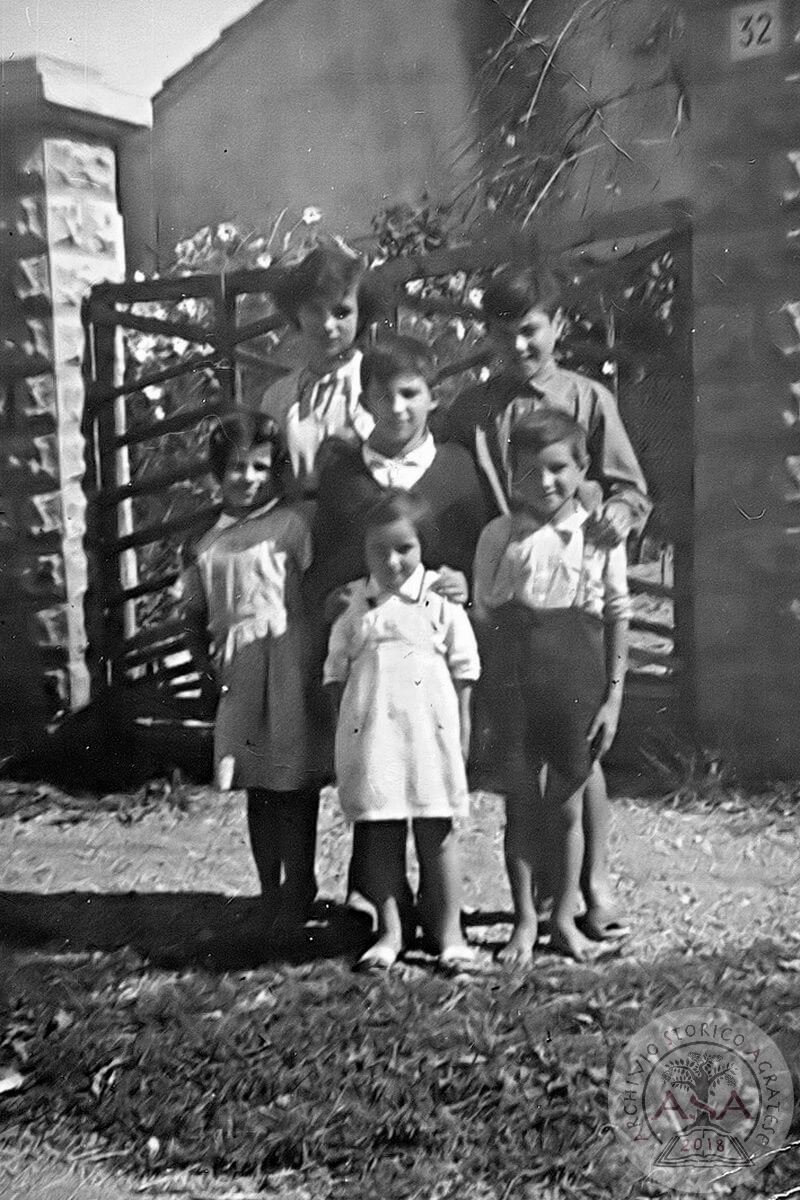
pixel 399 599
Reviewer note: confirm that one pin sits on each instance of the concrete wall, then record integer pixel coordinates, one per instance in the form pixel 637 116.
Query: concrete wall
pixel 344 105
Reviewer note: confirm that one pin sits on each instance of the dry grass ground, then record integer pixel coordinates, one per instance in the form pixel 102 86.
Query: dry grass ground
pixel 159 1056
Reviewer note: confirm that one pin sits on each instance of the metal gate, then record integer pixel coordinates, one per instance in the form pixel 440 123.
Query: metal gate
pixel 165 357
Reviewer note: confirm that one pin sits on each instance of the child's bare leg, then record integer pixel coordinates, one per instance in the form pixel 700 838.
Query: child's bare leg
pixel 383 875
pixel 297 844
pixel 440 868
pixel 543 844
pixel 520 853
pixel 565 805
pixel 602 920
pixel 262 826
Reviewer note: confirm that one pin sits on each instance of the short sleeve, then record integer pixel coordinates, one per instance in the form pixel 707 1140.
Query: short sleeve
pixel 616 596
pixel 488 556
pixel 462 648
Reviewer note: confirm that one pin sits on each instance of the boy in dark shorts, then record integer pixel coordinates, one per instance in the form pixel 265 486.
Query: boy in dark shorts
pixel 553 604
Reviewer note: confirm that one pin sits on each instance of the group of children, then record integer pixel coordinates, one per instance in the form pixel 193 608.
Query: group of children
pixel 363 579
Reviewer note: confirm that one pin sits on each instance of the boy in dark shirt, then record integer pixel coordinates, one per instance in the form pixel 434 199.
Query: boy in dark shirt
pixel 524 322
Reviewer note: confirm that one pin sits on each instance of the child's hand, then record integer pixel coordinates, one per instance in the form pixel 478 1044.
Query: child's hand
pixel 452 585
pixel 603 729
pixel 611 525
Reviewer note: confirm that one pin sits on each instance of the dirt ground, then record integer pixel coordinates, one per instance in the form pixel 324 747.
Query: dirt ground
pixel 177 873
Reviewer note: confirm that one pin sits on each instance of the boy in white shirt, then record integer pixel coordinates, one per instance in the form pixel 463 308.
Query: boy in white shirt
pixel 552 607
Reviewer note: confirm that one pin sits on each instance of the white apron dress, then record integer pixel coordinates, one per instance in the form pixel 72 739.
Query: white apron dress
pixel 398 749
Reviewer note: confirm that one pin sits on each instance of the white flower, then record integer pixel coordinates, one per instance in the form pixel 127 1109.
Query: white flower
pixel 226 233
pixel 414 287
pixel 311 215
pixel 475 296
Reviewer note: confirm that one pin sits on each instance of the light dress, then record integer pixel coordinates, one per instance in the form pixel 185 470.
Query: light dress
pixel 311 408
pixel 398 749
pixel 247 574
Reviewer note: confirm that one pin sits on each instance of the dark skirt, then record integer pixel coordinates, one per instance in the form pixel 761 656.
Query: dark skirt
pixel 544 679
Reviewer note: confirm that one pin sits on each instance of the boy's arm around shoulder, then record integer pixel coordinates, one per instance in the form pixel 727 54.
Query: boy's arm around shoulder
pixel 613 454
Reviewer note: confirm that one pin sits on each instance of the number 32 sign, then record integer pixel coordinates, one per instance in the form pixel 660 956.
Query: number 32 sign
pixel 755 30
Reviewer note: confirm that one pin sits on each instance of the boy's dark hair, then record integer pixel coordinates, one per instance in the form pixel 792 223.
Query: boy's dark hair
pixel 328 272
pixel 238 433
pixel 395 355
pixel 539 430
pixel 513 292
pixel 395 504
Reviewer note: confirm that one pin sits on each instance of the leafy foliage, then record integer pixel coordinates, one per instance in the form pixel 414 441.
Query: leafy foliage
pixel 540 114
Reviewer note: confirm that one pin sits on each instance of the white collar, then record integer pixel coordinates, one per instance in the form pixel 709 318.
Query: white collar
pixel 410 590
pixel 421 456
pixel 565 525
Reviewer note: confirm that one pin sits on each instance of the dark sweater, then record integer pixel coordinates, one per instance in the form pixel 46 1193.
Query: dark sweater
pixel 450 489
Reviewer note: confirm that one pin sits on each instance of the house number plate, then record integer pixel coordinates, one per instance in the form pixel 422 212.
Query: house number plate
pixel 755 30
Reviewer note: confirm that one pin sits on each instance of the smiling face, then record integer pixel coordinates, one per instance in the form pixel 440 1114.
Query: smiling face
pixel 248 481
pixel 544 481
pixel 527 345
pixel 328 326
pixel 401 407
pixel 393 553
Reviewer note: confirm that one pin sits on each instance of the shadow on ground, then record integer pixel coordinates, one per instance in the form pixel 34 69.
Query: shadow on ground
pixel 181 929
pixel 173 929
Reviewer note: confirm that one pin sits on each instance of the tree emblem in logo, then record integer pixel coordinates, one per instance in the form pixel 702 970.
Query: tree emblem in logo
pixel 701 1074
pixel 697 1095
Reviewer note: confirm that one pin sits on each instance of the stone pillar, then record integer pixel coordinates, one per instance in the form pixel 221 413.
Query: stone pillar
pixel 60 233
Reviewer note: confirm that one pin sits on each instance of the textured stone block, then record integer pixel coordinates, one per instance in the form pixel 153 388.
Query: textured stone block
pixel 71 395
pixel 30 218
pixel 78 165
pixel 40 337
pixel 68 341
pixel 32 278
pixel 50 627
pixel 44 514
pixel 73 278
pixel 42 574
pixel 43 459
pixel 36 396
pixel 83 223
pixel 74 516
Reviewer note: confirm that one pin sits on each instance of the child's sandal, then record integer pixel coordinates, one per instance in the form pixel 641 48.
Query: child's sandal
pixel 457 960
pixel 376 960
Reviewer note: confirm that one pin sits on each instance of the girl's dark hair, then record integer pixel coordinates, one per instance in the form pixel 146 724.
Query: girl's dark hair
pixel 396 505
pixel 328 273
pixel 395 355
pixel 513 292
pixel 541 429
pixel 240 432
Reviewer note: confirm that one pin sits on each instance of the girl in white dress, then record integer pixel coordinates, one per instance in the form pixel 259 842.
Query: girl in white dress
pixel 401 663
pixel 242 604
